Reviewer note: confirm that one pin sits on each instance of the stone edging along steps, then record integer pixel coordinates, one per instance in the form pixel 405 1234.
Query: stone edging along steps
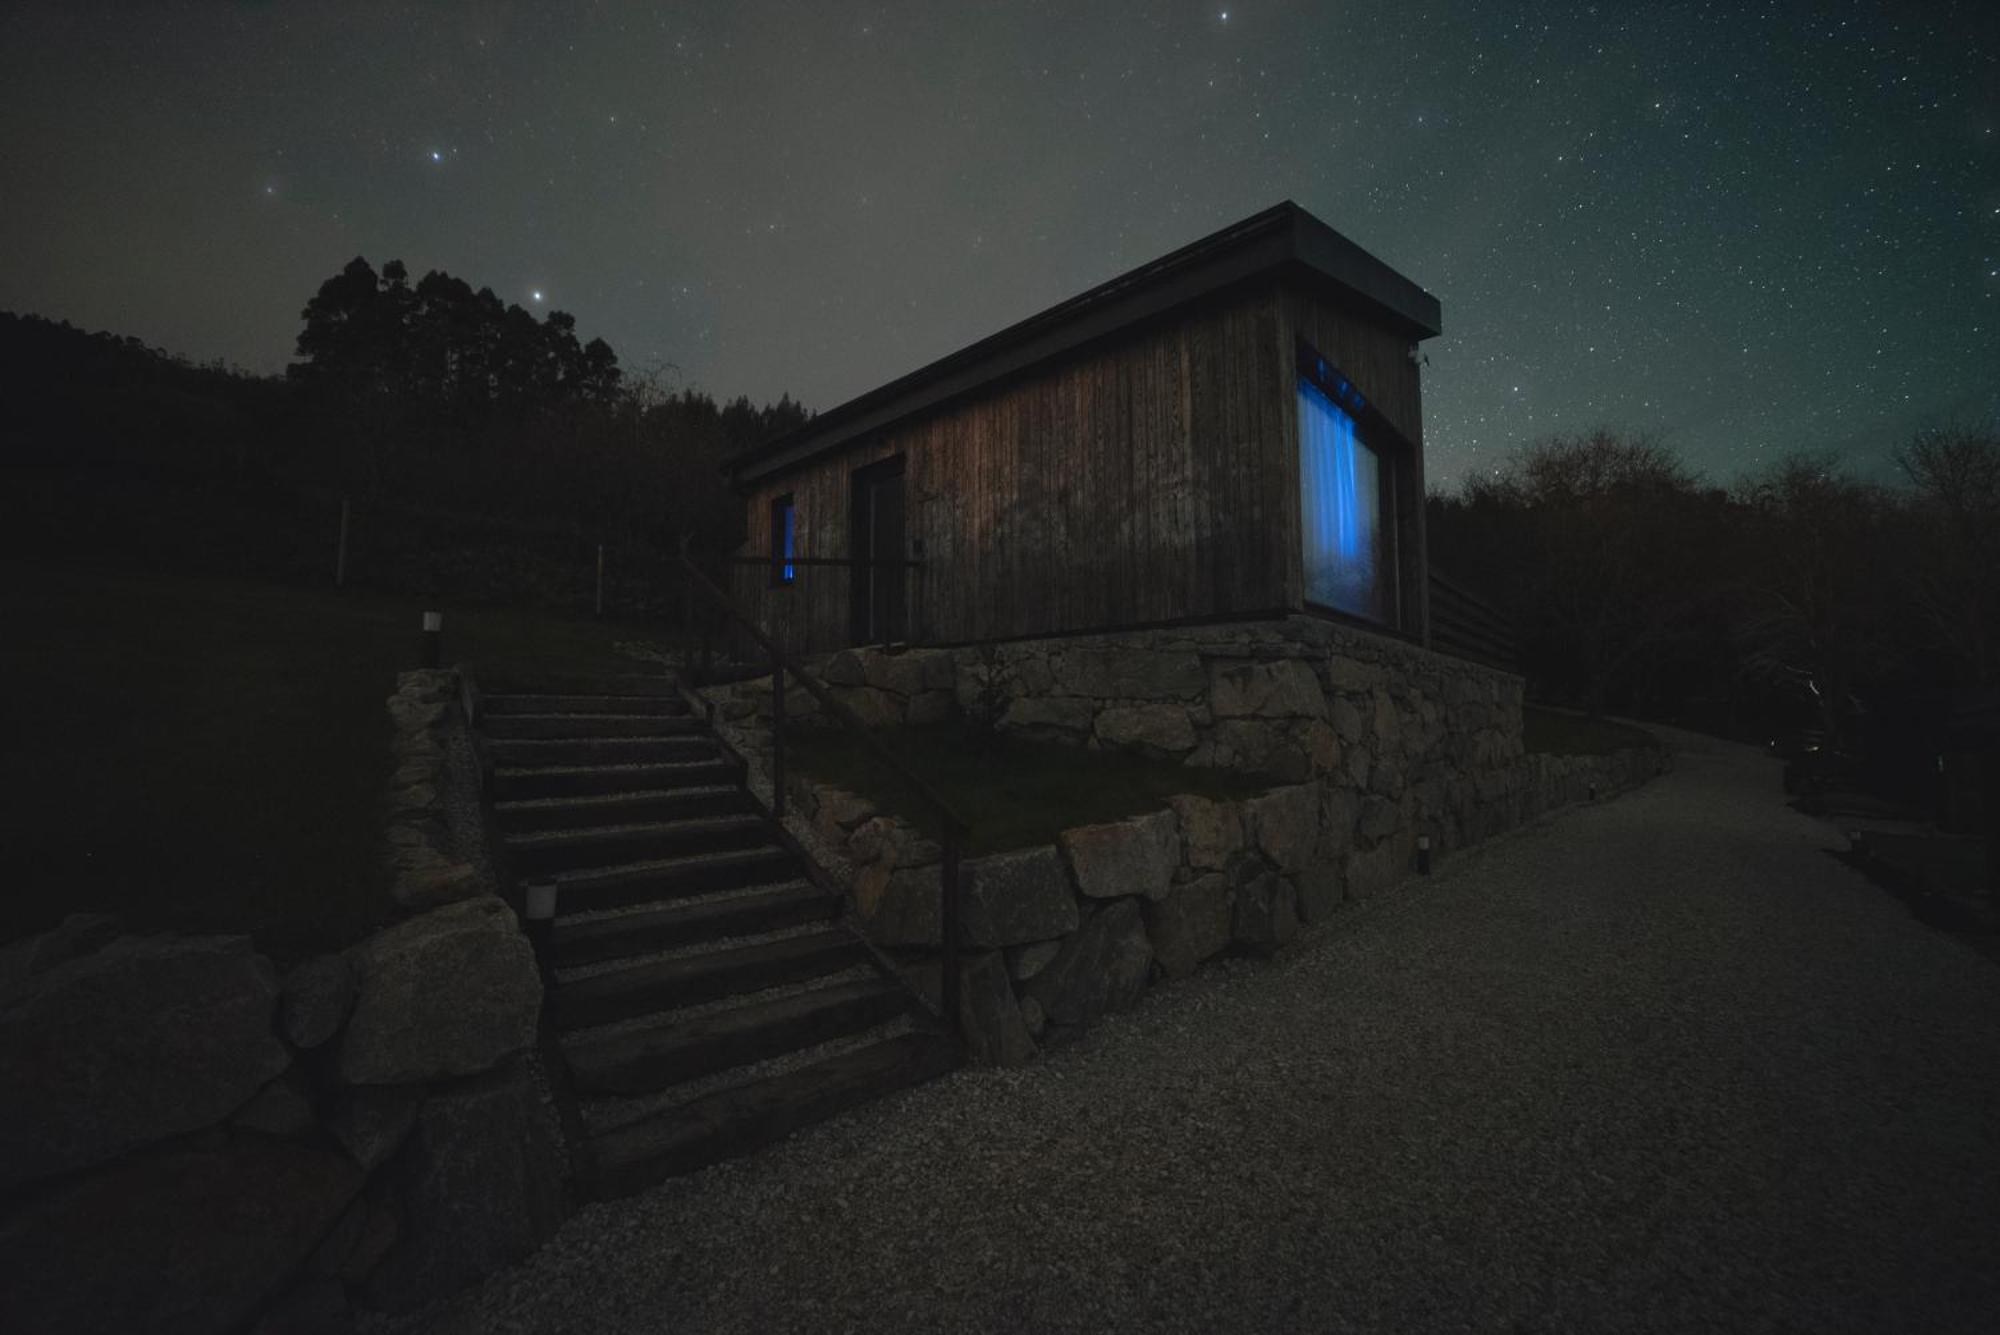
pixel 706 997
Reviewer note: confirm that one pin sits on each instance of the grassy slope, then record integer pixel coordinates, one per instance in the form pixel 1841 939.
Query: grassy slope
pixel 210 754
pixel 1014 792
pixel 1018 793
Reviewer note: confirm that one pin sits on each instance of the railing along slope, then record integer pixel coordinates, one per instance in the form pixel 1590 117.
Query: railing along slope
pixel 953 828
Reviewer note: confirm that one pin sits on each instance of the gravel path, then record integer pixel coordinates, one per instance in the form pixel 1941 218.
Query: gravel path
pixel 1659 1064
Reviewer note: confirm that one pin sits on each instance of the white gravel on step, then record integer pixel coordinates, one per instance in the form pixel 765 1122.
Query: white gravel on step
pixel 1655 1065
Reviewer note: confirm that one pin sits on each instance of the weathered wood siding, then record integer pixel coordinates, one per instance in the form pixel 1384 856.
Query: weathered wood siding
pixel 1153 479
pixel 1378 361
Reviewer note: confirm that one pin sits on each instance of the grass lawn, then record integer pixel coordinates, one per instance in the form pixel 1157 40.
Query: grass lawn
pixel 209 755
pixel 1015 793
pixel 1561 733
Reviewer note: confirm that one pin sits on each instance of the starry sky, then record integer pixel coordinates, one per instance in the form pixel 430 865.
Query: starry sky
pixel 1746 227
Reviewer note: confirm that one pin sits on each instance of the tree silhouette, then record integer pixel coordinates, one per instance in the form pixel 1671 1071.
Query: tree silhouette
pixel 1955 571
pixel 443 345
pixel 1819 583
pixel 1599 538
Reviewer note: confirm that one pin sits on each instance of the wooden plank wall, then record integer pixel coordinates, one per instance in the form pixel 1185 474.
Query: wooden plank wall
pixel 1378 361
pixel 1152 479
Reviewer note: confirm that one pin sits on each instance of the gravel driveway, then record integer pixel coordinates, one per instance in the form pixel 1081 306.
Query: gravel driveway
pixel 1659 1064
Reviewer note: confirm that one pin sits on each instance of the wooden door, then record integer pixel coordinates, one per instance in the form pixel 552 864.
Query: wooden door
pixel 880 598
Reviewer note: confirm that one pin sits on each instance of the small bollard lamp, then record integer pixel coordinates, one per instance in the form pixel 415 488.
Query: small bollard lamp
pixel 433 650
pixel 1423 855
pixel 539 917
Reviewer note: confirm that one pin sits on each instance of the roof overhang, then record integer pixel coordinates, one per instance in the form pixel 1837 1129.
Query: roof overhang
pixel 1284 242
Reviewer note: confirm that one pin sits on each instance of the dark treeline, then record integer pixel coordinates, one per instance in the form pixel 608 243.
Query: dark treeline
pixel 485 453
pixel 1800 596
pixel 439 391
pixel 446 418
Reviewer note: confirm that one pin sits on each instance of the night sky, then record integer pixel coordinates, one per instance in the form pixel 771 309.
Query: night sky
pixel 1747 228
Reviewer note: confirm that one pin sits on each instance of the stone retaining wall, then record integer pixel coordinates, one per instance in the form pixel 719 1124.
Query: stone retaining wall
pixel 1402 741
pixel 1055 936
pixel 191 1142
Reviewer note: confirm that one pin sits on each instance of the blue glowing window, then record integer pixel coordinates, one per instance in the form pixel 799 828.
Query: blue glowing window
pixel 1342 528
pixel 784 541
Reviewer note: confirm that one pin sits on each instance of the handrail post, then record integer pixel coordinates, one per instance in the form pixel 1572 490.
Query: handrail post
pixel 707 650
pixel 948 923
pixel 956 829
pixel 688 612
pixel 777 738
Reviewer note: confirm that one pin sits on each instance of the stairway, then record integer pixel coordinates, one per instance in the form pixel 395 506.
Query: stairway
pixel 707 998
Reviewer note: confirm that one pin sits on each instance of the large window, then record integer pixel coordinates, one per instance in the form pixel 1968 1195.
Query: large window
pixel 1346 524
pixel 784 541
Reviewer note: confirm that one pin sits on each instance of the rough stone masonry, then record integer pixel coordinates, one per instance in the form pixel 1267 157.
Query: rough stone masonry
pixel 1368 743
pixel 1401 740
pixel 193 1142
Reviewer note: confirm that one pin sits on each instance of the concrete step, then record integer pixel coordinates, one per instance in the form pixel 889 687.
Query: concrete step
pixel 551 851
pixel 741 1118
pixel 569 813
pixel 512 727
pixel 672 878
pixel 685 980
pixel 610 936
pixel 502 680
pixel 677 1049
pixel 601 750
pixel 507 705
pixel 516 782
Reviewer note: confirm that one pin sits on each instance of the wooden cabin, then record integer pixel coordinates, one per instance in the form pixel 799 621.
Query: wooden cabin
pixel 1233 431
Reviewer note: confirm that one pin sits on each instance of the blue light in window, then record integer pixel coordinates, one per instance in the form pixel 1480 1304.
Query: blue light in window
pixel 1339 507
pixel 787 545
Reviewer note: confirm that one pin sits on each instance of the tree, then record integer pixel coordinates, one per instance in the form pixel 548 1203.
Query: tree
pixel 415 383
pixel 1818 589
pixel 1954 574
pixel 1606 544
pixel 357 327
pixel 442 345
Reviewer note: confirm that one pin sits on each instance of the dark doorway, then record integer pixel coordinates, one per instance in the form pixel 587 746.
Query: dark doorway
pixel 880 601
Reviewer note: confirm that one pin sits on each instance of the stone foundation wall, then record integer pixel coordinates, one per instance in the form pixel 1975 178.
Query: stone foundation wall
pixel 192 1142
pixel 1055 936
pixel 1400 739
pixel 1369 744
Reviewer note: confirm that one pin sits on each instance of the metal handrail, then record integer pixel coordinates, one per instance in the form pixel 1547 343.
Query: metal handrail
pixel 1466 625
pixel 851 562
pixel 907 566
pixel 953 828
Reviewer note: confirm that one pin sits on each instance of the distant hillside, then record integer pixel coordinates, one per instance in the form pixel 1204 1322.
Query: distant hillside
pixel 71 398
pixel 111 449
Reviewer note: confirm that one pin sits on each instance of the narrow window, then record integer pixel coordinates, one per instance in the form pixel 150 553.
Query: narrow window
pixel 1344 528
pixel 784 541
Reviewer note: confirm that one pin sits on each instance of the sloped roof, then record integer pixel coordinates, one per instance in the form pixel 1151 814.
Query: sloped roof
pixel 1283 240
